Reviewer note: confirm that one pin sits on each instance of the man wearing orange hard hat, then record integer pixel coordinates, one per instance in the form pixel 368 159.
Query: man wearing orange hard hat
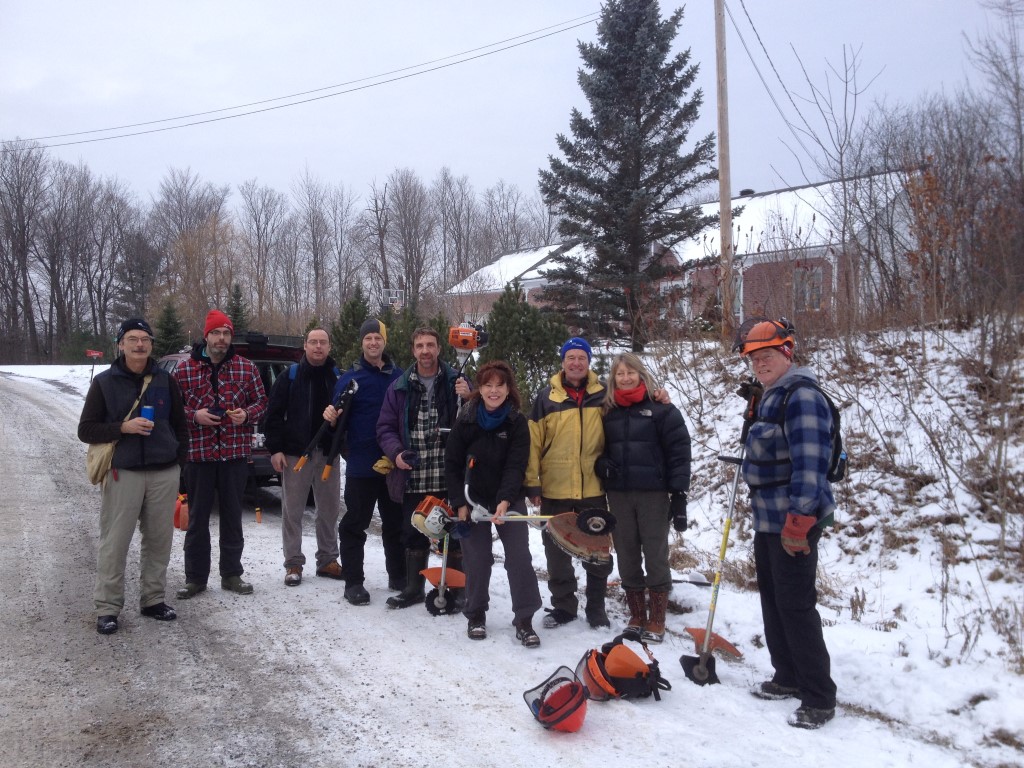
pixel 785 463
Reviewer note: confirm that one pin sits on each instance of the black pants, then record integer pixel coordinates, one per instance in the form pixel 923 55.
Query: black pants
pixel 226 480
pixel 792 626
pixel 561 569
pixel 362 494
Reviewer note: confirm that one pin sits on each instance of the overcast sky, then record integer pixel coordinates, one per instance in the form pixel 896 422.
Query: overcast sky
pixel 67 66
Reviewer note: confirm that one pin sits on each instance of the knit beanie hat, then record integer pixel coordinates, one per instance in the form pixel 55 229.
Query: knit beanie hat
pixel 576 343
pixel 217 319
pixel 373 325
pixel 134 324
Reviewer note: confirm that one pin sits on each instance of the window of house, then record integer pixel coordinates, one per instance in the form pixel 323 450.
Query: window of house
pixel 807 282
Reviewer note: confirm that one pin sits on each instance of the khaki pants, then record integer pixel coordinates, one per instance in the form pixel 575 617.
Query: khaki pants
pixel 137 497
pixel 327 495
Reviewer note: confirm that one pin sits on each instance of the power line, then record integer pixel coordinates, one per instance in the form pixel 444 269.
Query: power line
pixel 768 90
pixel 533 37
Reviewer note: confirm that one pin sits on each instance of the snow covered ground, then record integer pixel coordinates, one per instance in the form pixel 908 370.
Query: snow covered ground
pixel 921 682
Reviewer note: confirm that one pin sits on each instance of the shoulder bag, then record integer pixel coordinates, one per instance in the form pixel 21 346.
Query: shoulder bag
pixel 100 455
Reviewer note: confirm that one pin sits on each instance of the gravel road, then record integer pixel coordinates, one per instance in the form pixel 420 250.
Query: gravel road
pixel 224 685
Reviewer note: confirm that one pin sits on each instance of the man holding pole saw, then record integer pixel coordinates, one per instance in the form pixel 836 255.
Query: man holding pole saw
pixel 300 450
pixel 786 464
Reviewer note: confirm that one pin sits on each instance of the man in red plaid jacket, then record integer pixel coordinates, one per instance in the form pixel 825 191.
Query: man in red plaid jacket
pixel 224 397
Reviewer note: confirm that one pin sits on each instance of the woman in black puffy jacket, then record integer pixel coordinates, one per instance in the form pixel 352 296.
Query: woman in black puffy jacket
pixel 645 469
pixel 492 430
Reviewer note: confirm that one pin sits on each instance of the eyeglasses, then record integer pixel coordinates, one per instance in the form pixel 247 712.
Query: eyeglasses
pixel 137 340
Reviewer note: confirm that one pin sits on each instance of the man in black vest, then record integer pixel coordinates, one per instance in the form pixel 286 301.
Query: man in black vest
pixel 141 486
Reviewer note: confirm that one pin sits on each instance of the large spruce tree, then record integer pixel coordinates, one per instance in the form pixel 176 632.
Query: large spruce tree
pixel 625 173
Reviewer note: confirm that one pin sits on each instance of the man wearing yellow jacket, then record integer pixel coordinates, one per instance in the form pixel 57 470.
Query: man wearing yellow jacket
pixel 566 437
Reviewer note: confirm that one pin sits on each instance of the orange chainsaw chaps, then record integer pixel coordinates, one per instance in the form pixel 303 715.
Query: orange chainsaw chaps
pixel 453 579
pixel 718 643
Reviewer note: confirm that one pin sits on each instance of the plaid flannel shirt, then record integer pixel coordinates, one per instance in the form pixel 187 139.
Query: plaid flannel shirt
pixel 235 383
pixel 425 438
pixel 785 465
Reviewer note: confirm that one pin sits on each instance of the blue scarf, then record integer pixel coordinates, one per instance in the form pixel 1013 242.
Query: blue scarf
pixel 489 420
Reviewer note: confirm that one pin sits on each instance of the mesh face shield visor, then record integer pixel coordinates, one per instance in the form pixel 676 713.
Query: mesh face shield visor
pixel 759 333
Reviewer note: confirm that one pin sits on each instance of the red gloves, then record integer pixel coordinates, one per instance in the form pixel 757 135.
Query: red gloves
pixel 794 534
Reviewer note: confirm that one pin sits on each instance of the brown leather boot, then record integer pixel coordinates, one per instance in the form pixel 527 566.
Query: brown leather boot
pixel 636 601
pixel 654 629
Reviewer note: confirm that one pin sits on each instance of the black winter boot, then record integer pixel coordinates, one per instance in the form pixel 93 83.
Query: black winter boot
pixel 596 589
pixel 415 561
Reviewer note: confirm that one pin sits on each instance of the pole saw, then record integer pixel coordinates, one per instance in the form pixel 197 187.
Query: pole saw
pixel 342 405
pixel 701 669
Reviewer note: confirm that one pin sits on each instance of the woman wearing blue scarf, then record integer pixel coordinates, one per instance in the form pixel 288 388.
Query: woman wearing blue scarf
pixel 492 430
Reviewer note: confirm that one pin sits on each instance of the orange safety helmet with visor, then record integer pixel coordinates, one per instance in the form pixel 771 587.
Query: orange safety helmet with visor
pixel 760 333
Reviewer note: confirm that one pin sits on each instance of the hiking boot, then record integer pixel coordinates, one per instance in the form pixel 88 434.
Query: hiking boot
pixel 636 601
pixel 160 612
pixel 772 691
pixel 293 576
pixel 190 590
pixel 106 625
pixel 525 633
pixel 477 628
pixel 654 629
pixel 332 570
pixel 236 585
pixel 356 594
pixel 557 617
pixel 811 718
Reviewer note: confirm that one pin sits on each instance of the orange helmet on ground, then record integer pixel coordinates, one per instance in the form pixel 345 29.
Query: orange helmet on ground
pixel 759 333
pixel 617 672
pixel 560 702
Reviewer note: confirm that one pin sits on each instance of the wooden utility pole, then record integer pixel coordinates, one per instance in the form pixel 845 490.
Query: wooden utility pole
pixel 724 193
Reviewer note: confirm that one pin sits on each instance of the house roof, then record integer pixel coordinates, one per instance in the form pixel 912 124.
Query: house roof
pixel 780 220
pixel 498 274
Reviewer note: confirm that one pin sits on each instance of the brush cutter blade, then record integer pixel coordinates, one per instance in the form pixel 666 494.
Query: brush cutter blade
pixel 718 643
pixel 595 521
pixel 567 536
pixel 441 605
pixel 700 672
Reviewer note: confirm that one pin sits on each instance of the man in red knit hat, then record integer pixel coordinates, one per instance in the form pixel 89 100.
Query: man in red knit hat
pixel 224 398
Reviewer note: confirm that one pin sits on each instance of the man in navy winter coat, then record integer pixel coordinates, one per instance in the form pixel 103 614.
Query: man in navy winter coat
pixel 366 487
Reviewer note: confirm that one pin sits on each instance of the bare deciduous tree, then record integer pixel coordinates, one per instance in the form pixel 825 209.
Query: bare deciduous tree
pixel 261 219
pixel 411 235
pixel 23 169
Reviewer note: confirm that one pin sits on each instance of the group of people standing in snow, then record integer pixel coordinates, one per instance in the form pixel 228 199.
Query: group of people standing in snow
pixel 620 446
